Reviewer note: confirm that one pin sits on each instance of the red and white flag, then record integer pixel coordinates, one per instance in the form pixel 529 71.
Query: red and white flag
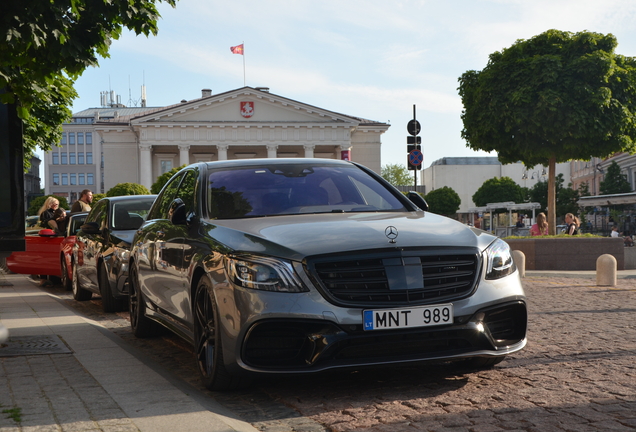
pixel 237 49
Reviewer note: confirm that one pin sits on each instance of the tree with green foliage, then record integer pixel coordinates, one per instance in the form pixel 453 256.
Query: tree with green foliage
pixel 614 181
pixel 397 175
pixel 46 45
pixel 38 202
pixel 163 179
pixel 552 98
pixel 498 189
pixel 444 201
pixel 567 198
pixel 97 197
pixel 122 189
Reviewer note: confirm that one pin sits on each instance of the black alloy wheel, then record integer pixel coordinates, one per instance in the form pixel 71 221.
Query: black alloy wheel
pixel 66 281
pixel 79 293
pixel 142 326
pixel 207 341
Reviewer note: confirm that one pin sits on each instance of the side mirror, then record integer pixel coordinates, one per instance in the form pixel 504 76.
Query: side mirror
pixel 177 212
pixel 90 228
pixel 417 200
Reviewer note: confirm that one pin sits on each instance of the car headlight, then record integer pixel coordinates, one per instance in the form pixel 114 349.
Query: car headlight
pixel 500 261
pixel 264 273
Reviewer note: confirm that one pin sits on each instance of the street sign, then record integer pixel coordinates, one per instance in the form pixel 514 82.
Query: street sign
pixel 415 159
pixel 413 127
pixel 414 140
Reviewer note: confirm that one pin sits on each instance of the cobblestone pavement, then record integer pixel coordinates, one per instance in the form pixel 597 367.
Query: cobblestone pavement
pixel 577 373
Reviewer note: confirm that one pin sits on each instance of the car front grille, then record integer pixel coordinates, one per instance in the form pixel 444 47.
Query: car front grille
pixel 396 278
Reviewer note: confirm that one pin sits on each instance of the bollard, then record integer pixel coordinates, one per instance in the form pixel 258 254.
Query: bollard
pixel 520 260
pixel 606 270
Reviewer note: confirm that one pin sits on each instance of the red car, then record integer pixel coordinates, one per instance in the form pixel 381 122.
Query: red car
pixel 48 254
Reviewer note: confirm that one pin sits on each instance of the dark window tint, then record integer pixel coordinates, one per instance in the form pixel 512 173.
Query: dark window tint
pixel 167 195
pixel 295 189
pixel 98 213
pixel 187 190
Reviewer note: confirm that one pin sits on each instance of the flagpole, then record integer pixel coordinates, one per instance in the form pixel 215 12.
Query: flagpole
pixel 243 43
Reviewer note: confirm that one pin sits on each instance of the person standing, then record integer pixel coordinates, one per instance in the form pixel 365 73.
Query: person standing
pixel 573 224
pixel 541 227
pixel 84 202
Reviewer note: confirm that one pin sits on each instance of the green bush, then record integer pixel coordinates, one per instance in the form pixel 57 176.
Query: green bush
pixel 122 189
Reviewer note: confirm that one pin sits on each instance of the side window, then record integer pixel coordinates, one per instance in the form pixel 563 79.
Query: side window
pixel 162 203
pixel 98 214
pixel 187 190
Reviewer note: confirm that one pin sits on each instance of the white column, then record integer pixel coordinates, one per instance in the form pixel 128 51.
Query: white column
pixel 184 154
pixel 145 165
pixel 222 148
pixel 271 151
pixel 309 150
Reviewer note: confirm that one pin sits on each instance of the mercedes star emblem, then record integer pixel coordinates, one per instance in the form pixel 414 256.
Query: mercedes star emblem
pixel 391 233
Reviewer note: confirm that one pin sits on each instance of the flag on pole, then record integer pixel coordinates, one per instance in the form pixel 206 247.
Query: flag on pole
pixel 237 49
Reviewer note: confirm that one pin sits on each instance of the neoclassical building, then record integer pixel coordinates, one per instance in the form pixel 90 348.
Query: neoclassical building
pixel 139 144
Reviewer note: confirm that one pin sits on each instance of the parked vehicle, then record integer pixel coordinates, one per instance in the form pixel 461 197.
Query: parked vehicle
pixel 304 265
pixel 102 249
pixel 48 254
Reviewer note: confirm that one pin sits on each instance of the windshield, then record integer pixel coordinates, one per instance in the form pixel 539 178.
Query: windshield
pixel 295 189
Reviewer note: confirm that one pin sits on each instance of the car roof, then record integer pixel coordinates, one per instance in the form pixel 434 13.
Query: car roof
pixel 234 163
pixel 129 198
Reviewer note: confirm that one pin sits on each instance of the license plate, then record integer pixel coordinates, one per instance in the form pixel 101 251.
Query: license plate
pixel 385 319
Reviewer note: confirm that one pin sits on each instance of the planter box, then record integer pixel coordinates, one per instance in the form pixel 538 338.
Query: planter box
pixel 568 253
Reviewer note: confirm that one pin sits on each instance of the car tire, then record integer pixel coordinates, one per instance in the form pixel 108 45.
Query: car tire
pixel 208 350
pixel 142 326
pixel 79 293
pixel 66 281
pixel 109 302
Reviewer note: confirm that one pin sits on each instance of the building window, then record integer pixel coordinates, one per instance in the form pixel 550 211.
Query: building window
pixel 73 179
pixel 80 158
pixel 56 158
pixel 89 178
pixel 63 141
pixel 80 138
pixel 89 158
pixel 64 158
pixel 81 178
pixel 64 179
pixel 89 138
pixel 166 165
pixel 71 158
pixel 56 179
pixel 71 139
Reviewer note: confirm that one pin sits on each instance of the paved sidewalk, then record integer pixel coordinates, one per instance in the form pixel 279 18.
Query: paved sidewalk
pixel 62 372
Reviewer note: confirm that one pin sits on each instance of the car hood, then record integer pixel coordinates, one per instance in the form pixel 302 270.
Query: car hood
pixel 298 236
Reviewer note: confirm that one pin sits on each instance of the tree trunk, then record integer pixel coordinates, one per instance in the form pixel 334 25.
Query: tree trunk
pixel 552 196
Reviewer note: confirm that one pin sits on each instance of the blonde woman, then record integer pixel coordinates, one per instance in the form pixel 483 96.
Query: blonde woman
pixel 47 213
pixel 541 227
pixel 573 224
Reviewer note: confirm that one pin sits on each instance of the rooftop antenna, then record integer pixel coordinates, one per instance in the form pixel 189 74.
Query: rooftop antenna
pixel 131 102
pixel 143 90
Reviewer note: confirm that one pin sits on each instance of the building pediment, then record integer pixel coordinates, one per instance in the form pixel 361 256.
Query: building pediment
pixel 245 106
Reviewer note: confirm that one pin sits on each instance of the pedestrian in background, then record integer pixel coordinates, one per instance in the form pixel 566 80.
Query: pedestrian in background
pixel 573 224
pixel 83 204
pixel 541 227
pixel 47 213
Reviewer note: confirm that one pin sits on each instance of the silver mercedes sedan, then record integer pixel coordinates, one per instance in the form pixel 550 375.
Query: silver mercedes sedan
pixel 304 265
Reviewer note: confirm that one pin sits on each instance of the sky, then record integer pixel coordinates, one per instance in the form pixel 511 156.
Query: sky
pixel 364 58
